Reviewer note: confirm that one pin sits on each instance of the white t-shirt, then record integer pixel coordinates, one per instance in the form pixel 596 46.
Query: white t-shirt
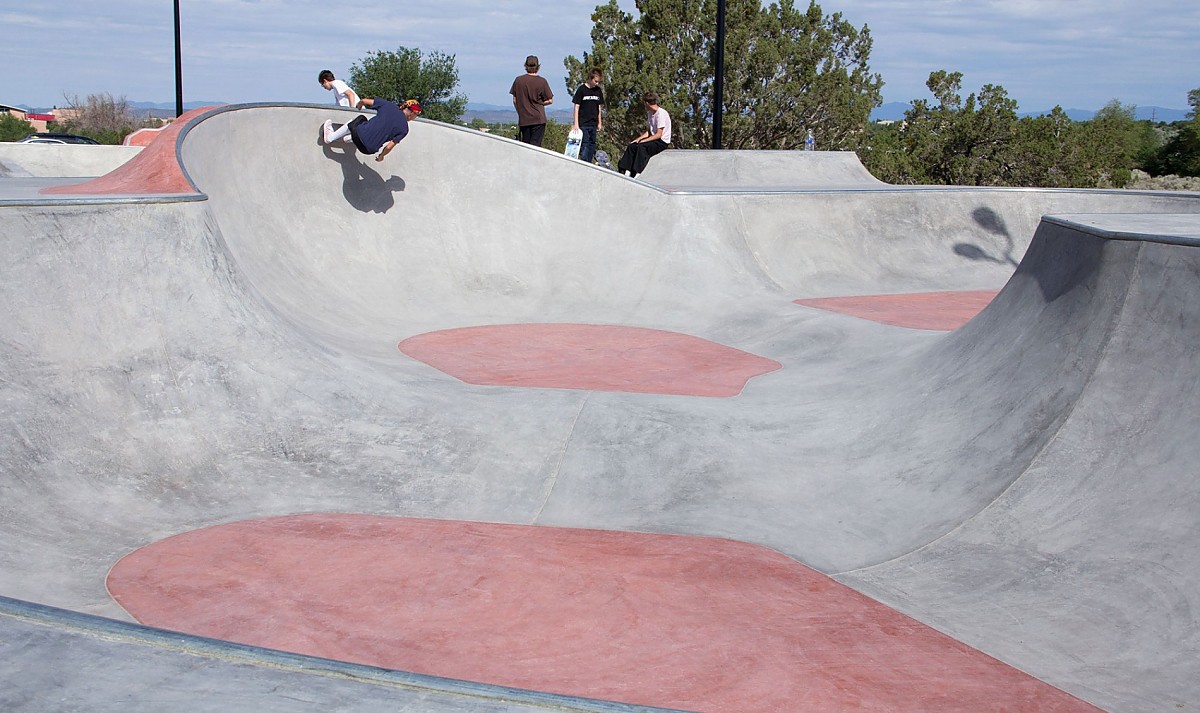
pixel 662 119
pixel 339 93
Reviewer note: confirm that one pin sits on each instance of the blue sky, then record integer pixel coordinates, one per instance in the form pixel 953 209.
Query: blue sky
pixel 1075 53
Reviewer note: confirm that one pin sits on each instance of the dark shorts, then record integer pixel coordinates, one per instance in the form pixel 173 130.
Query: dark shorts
pixel 354 124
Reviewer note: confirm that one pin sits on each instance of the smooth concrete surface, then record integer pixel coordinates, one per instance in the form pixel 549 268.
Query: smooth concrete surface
pixel 62 160
pixel 1025 483
pixel 57 660
pixel 684 170
pixel 1101 528
pixel 28 189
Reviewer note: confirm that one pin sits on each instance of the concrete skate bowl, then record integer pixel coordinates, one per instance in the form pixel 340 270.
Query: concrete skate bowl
pixel 208 398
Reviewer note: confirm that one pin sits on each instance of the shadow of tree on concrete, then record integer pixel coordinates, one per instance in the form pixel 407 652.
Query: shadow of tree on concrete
pixel 993 223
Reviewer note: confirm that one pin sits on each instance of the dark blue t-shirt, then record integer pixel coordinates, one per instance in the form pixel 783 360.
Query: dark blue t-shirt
pixel 388 124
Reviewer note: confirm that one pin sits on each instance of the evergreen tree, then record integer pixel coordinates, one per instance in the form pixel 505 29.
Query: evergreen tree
pixel 969 142
pixel 1050 154
pixel 405 74
pixel 787 72
pixel 12 128
pixel 1180 155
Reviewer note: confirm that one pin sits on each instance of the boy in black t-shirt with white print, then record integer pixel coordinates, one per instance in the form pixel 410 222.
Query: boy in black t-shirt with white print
pixel 589 100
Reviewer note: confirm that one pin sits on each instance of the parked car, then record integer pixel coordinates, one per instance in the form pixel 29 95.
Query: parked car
pixel 43 137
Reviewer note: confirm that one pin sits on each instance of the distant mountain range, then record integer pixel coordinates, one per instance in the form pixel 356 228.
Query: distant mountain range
pixel 892 111
pixel 141 110
pixel 158 108
pixel 499 114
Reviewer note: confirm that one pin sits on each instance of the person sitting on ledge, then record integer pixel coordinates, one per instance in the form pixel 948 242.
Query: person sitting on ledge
pixel 652 142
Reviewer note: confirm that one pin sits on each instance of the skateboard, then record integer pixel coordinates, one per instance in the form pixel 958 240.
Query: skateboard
pixel 573 140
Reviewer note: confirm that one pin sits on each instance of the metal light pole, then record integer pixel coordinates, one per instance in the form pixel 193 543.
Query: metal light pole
pixel 719 83
pixel 178 67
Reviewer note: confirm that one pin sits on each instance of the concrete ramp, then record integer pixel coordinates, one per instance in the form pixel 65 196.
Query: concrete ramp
pixel 1093 547
pixel 62 160
pixel 1024 483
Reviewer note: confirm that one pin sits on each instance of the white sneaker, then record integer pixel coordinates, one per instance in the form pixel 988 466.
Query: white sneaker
pixel 328 131
pixel 348 139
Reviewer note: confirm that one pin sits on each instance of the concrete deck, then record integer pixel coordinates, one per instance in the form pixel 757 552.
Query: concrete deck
pixel 1021 488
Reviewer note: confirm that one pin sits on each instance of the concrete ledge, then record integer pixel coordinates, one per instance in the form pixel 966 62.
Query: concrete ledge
pixel 65 160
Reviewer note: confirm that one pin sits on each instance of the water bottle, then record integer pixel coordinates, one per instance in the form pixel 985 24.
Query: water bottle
pixel 809 143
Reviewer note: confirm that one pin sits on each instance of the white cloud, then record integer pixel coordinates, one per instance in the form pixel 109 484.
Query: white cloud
pixel 1078 53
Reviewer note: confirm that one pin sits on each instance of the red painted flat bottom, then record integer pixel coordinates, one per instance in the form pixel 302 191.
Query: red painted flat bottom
pixel 924 310
pixel 588 356
pixel 683 622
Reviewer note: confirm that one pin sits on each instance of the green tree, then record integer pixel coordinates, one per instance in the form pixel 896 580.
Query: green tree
pixel 12 128
pixel 406 74
pixel 884 154
pixel 786 72
pixel 980 141
pixel 1180 154
pixel 556 136
pixel 1113 144
pixel 1050 154
pixel 969 142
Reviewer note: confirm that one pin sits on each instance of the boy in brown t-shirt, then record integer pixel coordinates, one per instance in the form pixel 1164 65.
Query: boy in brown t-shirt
pixel 531 95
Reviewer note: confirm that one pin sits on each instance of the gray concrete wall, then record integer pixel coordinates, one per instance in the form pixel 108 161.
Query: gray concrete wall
pixel 62 160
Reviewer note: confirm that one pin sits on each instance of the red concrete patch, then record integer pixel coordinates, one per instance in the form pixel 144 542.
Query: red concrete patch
pixel 924 310
pixel 683 622
pixel 590 357
pixel 143 137
pixel 155 170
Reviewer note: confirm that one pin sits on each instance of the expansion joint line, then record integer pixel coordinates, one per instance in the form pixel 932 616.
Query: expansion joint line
pixel 562 453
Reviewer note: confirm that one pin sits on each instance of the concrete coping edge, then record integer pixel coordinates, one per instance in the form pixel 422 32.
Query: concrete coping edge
pixel 1150 235
pixel 126 632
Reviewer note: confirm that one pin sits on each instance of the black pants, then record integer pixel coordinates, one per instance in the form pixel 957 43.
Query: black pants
pixel 636 156
pixel 354 124
pixel 533 134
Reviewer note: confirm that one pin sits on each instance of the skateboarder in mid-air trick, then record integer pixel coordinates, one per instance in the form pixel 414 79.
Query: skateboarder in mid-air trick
pixel 381 132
